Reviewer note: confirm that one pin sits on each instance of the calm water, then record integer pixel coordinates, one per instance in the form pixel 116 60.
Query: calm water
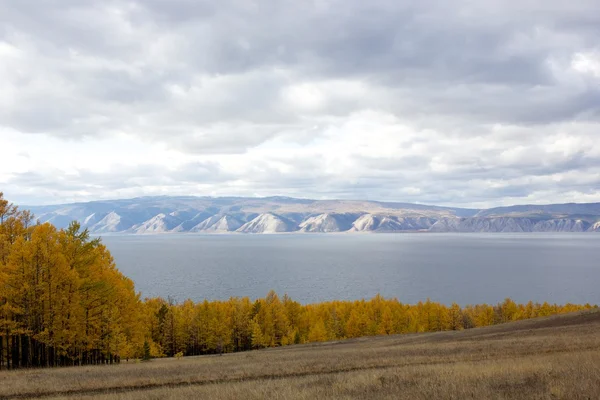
pixel 465 268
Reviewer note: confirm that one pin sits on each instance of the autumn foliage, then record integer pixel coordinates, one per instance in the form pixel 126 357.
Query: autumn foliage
pixel 64 302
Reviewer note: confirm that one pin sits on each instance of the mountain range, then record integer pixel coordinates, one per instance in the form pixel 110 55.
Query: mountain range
pixel 144 215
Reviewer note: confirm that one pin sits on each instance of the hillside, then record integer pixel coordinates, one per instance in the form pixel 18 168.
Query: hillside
pixel 545 358
pixel 548 210
pixel 285 215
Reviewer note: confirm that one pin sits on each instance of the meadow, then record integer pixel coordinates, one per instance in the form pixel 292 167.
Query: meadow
pixel 556 357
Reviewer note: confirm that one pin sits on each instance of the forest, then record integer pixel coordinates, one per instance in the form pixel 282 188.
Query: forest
pixel 63 302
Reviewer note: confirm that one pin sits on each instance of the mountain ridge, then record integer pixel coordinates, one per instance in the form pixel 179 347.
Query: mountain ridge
pixel 280 214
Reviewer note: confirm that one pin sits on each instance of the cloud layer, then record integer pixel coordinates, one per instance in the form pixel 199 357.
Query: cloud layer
pixel 469 103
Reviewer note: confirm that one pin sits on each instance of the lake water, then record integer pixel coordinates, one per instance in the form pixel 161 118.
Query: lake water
pixel 465 268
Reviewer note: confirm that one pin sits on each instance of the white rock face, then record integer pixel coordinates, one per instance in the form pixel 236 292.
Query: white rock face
pixel 90 220
pixel 561 225
pixel 325 223
pixel 388 223
pixel 595 227
pixel 158 224
pixel 268 223
pixel 218 224
pixel 372 223
pixel 207 223
pixel 226 224
pixel 112 222
pixel 509 224
pixel 188 224
pixel 500 224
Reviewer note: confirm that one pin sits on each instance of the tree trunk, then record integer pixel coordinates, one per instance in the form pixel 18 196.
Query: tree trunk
pixel 15 351
pixel 24 351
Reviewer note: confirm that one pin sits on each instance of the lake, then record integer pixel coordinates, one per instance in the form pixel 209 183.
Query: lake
pixel 462 268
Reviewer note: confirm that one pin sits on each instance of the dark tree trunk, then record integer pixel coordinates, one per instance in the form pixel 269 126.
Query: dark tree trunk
pixel 25 351
pixel 15 351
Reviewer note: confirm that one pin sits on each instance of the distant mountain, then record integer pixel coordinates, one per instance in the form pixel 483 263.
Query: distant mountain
pixel 549 210
pixel 268 223
pixel 111 222
pixel 391 223
pixel 328 222
pixel 511 224
pixel 595 227
pixel 159 223
pixel 218 223
pixel 145 215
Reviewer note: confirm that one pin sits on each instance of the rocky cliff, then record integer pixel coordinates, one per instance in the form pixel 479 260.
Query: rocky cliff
pixel 281 214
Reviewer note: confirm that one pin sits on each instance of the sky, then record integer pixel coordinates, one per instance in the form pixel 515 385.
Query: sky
pixel 464 103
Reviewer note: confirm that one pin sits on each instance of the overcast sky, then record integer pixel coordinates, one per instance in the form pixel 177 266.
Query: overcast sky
pixel 465 103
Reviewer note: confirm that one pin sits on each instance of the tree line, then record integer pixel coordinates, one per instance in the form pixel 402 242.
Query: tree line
pixel 64 302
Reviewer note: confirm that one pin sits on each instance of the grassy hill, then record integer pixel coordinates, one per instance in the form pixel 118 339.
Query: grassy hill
pixel 546 358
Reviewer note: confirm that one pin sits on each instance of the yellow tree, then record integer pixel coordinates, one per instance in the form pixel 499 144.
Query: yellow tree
pixel 317 333
pixel 455 318
pixel 356 325
pixel 258 340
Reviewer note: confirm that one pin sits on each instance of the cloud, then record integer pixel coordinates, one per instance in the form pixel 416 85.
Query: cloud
pixel 464 103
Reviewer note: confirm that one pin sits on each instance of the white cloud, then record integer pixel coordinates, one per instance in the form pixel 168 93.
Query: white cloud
pixel 587 63
pixel 462 105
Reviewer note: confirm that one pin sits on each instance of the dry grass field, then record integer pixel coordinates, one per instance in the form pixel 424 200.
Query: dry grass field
pixel 547 358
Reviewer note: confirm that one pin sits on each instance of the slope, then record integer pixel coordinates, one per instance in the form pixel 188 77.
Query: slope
pixel 190 213
pixel 550 357
pixel 268 223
